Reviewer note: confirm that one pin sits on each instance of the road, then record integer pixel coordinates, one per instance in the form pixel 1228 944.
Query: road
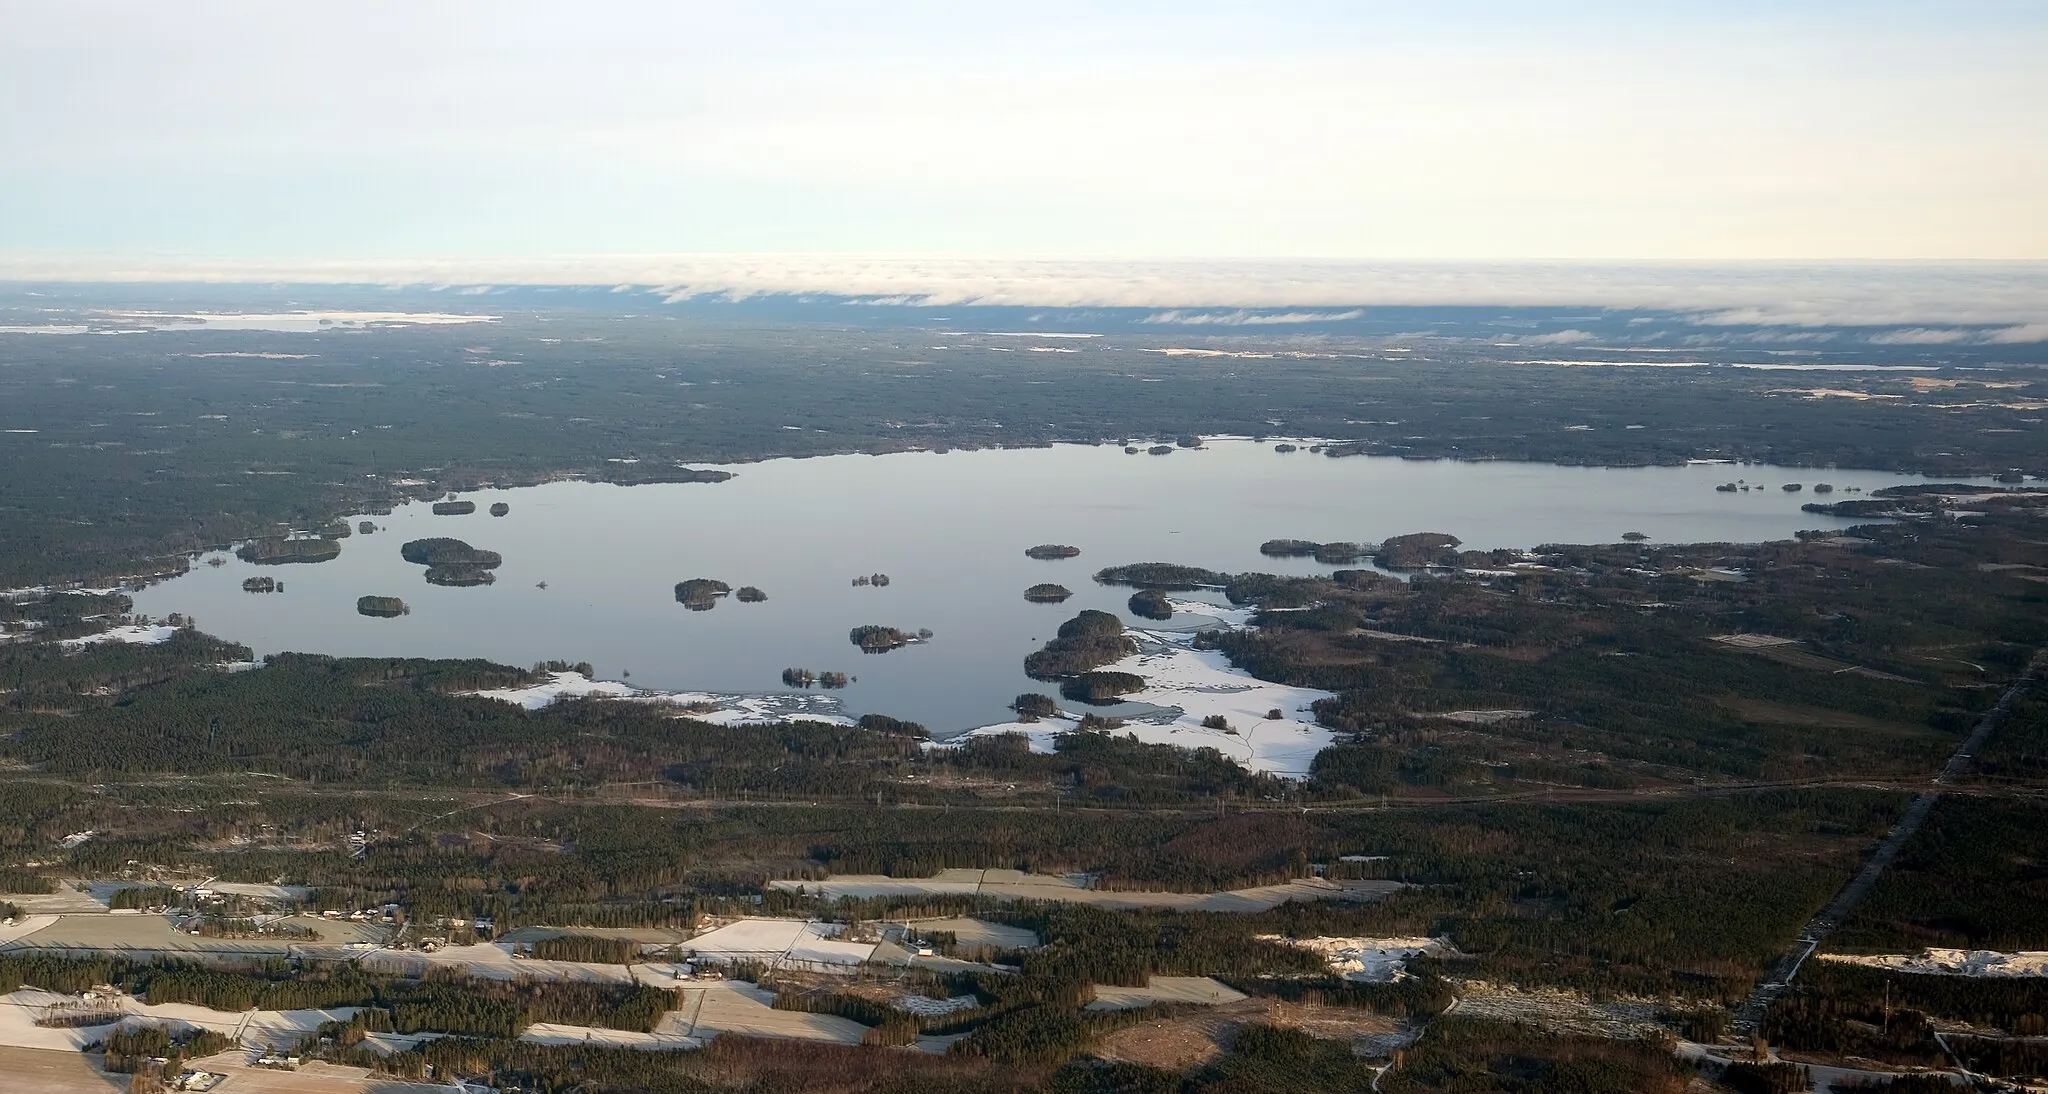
pixel 1751 1014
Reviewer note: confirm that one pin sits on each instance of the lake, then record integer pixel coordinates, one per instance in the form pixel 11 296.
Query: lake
pixel 950 531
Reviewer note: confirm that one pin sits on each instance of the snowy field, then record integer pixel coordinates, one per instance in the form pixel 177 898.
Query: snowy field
pixel 781 942
pixel 1940 962
pixel 20 1009
pixel 140 634
pixel 1198 990
pixel 1016 885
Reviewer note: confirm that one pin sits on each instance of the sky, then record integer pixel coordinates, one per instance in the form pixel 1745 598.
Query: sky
pixel 1442 131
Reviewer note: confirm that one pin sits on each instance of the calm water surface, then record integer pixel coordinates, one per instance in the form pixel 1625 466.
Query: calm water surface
pixel 950 531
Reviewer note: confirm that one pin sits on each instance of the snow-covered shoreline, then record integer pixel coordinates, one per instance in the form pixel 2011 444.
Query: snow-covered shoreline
pixel 1191 685
pixel 714 707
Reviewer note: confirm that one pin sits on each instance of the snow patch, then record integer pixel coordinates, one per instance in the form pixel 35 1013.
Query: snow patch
pixel 139 634
pixel 717 709
pixel 1367 960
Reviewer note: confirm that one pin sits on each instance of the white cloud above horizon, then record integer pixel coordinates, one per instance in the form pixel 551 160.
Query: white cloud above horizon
pixel 1464 130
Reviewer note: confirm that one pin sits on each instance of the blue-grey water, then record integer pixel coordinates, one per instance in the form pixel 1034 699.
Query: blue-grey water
pixel 950 531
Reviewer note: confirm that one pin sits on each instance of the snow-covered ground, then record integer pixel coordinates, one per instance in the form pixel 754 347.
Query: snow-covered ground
pixel 717 709
pixel 1190 685
pixel 256 1028
pixel 776 942
pixel 1367 960
pixel 139 634
pixel 1940 962
pixel 924 1006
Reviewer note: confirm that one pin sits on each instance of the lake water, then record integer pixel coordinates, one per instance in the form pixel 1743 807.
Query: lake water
pixel 950 531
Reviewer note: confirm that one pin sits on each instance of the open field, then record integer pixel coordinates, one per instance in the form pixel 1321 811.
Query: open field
pixel 109 932
pixel 979 932
pixel 730 1006
pixel 58 1071
pixel 1199 1037
pixel 1197 990
pixel 1016 885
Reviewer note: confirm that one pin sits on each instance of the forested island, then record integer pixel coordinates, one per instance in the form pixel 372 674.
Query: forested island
pixel 284 550
pixel 454 508
pixel 1049 551
pixel 874 638
pixel 452 562
pixel 499 508
pixel 261 585
pixel 1150 604
pixel 749 594
pixel 1047 593
pixel 1161 575
pixel 384 607
pixel 700 594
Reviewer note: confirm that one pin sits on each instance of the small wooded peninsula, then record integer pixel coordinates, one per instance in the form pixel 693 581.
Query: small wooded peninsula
pixel 700 594
pixel 281 550
pixel 1418 550
pixel 1100 686
pixel 382 607
pixel 1047 593
pixel 452 562
pixel 1050 551
pixel 1084 643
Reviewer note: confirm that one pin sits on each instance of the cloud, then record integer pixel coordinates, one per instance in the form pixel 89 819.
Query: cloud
pixel 1922 336
pixel 2008 294
pixel 2024 333
pixel 1559 338
pixel 1242 318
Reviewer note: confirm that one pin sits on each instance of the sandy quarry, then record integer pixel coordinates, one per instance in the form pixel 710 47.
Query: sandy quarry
pixel 1943 962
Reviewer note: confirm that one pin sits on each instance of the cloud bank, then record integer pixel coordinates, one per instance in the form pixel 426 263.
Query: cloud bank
pixel 2012 295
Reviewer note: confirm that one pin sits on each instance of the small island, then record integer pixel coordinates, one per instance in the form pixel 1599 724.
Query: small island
pixel 749 594
pixel 1727 488
pixel 452 562
pixel 1050 551
pixel 382 607
pixel 1031 706
pixel 1634 537
pixel 1047 593
pixel 879 581
pixel 1160 450
pixel 259 585
pixel 1084 643
pixel 1150 604
pixel 1823 488
pixel 700 594
pixel 1160 575
pixel 874 638
pixel 1288 548
pixel 282 550
pixel 1792 487
pixel 1130 450
pixel 1100 687
pixel 454 508
pixel 365 527
pixel 499 508
pixel 1283 449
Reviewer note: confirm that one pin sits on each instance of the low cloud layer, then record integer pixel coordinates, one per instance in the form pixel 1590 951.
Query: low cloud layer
pixel 2011 295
